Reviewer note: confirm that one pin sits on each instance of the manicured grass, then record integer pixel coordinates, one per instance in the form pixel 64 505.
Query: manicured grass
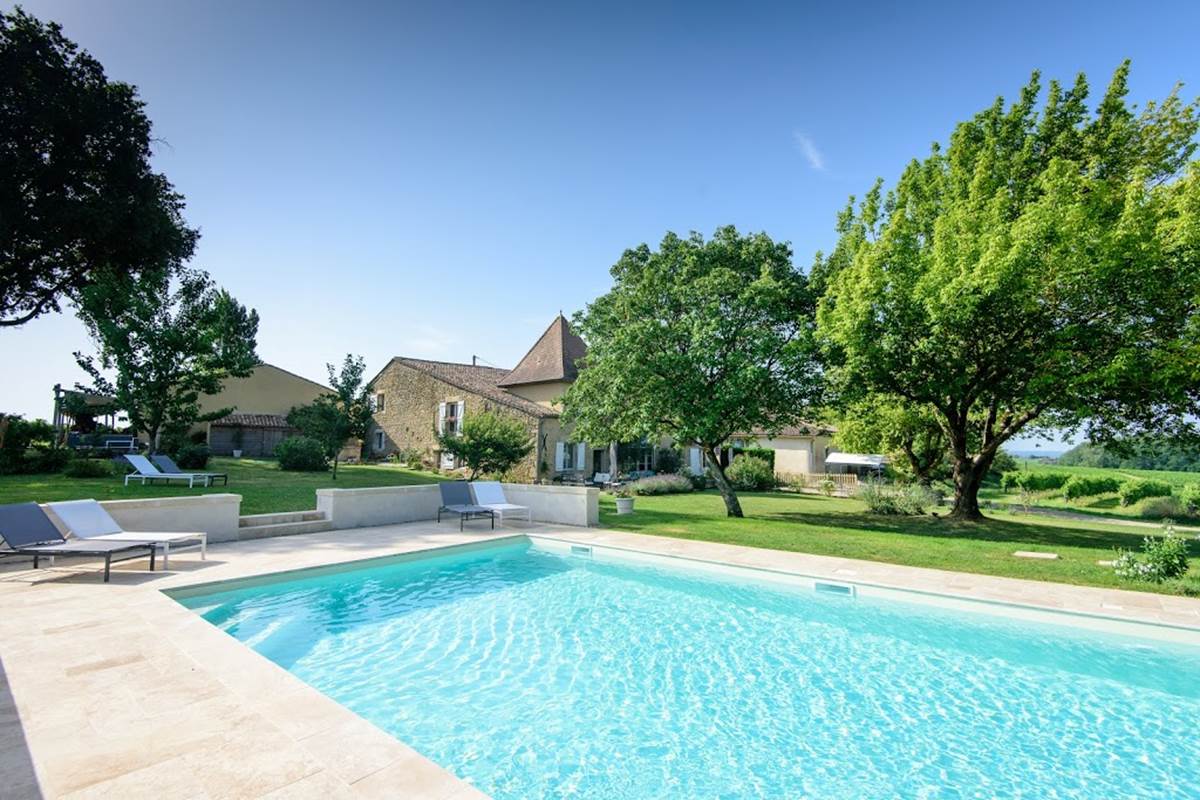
pixel 843 527
pixel 263 486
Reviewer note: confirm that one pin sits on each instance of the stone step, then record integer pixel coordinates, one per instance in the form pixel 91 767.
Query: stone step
pixel 256 520
pixel 284 529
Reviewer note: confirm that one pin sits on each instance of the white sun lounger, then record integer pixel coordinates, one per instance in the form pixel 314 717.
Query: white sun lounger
pixel 490 495
pixel 148 472
pixel 87 519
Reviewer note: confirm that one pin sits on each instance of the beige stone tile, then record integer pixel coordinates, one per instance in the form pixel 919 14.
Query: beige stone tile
pixel 355 749
pixel 173 778
pixel 250 760
pixel 302 712
pixel 322 785
pixel 415 776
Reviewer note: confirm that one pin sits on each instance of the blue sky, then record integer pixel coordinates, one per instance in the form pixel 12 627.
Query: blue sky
pixel 439 180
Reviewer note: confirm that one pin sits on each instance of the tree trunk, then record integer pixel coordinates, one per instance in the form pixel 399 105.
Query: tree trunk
pixel 335 460
pixel 968 477
pixel 732 507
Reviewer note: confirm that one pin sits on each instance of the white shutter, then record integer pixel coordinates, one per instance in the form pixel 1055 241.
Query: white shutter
pixel 560 452
pixel 462 410
pixel 580 451
pixel 441 418
pixel 694 460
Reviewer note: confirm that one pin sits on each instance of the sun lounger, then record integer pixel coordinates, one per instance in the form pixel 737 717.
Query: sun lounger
pixel 27 530
pixel 87 519
pixel 169 467
pixel 148 472
pixel 490 494
pixel 456 499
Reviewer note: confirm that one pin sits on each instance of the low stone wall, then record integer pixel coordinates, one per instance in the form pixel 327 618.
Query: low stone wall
pixel 390 505
pixel 380 505
pixel 215 514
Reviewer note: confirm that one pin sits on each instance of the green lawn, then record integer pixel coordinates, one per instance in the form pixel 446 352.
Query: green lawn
pixel 263 486
pixel 842 527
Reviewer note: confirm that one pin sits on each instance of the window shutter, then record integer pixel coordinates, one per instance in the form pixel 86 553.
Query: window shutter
pixel 580 450
pixel 560 452
pixel 462 410
pixel 441 418
pixel 694 460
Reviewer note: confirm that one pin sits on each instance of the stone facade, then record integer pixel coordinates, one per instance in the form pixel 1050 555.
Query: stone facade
pixel 410 412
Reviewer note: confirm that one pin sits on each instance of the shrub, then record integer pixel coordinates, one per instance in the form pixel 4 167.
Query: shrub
pixel 1189 496
pixel 662 484
pixel 88 468
pixel 26 446
pixel 45 461
pixel 1086 486
pixel 1033 480
pixel 750 474
pixel 896 500
pixel 1161 508
pixel 192 456
pixel 765 453
pixel 699 480
pixel 301 454
pixel 409 456
pixel 489 443
pixel 1136 489
pixel 1162 558
pixel 827 486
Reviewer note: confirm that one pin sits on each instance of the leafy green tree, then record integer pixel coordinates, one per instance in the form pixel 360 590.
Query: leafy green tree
pixel 324 421
pixel 489 444
pixel 697 340
pixel 1041 272
pixel 168 341
pixel 79 202
pixel 334 418
pixel 353 395
pixel 910 437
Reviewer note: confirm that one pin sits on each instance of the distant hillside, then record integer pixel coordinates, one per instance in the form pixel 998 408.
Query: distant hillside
pixel 1135 454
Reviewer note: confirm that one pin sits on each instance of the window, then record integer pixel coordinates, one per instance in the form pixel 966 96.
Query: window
pixel 450 417
pixel 380 441
pixel 569 457
pixel 379 402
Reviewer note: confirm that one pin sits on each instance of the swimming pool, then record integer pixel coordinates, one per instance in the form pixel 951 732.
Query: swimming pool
pixel 534 672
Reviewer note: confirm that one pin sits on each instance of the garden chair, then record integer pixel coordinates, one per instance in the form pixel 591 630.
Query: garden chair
pixel 87 519
pixel 148 472
pixel 490 494
pixel 27 530
pixel 169 467
pixel 456 499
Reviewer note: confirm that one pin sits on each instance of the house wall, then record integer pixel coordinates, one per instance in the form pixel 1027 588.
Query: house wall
pixel 268 390
pixel 797 455
pixel 547 394
pixel 410 414
pixel 255 442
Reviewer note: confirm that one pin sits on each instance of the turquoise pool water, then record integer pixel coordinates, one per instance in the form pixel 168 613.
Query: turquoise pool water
pixel 534 674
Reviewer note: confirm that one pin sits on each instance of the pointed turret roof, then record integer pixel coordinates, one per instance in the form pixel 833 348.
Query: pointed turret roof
pixel 552 358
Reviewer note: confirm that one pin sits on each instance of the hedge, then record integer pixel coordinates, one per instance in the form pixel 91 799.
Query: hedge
pixel 1086 486
pixel 1033 480
pixel 1136 489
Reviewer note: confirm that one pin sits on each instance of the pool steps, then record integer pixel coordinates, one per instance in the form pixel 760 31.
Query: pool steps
pixel 286 523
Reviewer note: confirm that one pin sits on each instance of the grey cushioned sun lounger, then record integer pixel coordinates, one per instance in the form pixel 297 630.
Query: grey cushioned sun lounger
pixel 29 532
pixel 456 498
pixel 169 467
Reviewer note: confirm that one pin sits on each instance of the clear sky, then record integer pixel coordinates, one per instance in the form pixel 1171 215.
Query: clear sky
pixel 438 180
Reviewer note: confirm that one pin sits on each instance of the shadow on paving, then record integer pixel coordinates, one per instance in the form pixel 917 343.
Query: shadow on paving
pixel 16 763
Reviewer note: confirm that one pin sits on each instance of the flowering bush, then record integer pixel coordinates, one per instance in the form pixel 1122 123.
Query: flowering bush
pixel 662 484
pixel 1162 557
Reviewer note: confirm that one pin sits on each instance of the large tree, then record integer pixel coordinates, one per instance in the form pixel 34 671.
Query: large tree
pixel 911 437
pixel 1042 271
pixel 167 342
pixel 697 341
pixel 79 203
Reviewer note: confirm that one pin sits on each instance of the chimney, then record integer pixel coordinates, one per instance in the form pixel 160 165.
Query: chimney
pixel 474 361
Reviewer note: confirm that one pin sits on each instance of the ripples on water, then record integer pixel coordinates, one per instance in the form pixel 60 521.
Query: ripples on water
pixel 536 675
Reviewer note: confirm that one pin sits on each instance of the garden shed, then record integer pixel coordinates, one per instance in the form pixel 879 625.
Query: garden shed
pixel 254 434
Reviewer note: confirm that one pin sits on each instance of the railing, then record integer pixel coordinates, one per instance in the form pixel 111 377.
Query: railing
pixel 843 483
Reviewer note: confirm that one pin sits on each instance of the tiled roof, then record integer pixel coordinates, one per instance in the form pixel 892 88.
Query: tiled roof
pixel 803 429
pixel 552 358
pixel 254 421
pixel 483 381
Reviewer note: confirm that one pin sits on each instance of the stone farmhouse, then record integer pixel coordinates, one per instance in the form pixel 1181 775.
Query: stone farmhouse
pixel 415 399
